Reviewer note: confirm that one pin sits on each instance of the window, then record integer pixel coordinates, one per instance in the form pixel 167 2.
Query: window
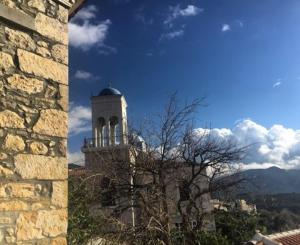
pixel 108 192
pixel 194 224
pixel 184 191
pixel 178 226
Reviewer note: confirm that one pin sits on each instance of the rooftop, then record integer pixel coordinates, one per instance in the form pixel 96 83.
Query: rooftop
pixel 283 238
pixel 109 91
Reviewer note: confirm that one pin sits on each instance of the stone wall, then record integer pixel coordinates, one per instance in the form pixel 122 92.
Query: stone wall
pixel 33 121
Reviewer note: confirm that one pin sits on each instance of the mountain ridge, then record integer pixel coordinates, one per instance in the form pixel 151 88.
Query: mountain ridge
pixel 272 180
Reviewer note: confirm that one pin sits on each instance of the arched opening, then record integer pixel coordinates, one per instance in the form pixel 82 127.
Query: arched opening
pixel 101 132
pixel 114 130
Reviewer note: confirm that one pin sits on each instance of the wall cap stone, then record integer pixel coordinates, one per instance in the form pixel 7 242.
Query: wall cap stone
pixel 17 17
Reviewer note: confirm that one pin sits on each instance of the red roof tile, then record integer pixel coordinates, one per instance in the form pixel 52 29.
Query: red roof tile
pixel 289 239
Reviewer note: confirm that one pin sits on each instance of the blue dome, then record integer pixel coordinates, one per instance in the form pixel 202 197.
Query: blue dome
pixel 109 91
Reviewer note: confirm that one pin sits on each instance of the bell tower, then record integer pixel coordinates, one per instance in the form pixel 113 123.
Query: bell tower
pixel 109 127
pixel 109 118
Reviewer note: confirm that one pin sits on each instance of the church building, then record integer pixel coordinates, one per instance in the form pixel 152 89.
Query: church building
pixel 110 146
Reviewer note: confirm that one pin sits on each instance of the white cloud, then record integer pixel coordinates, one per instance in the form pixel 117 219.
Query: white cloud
pixel 83 33
pixel 258 166
pixel 86 13
pixel 172 34
pixel 87 35
pixel 232 25
pixel 277 84
pixel 176 12
pixel 84 75
pixel 190 10
pixel 76 157
pixel 79 119
pixel 225 28
pixel 275 146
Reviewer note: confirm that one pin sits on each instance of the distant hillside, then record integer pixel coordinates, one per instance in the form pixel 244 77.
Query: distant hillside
pixel 271 181
pixel 275 202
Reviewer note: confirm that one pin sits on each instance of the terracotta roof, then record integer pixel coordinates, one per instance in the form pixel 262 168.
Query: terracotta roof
pixel 283 238
pixel 287 238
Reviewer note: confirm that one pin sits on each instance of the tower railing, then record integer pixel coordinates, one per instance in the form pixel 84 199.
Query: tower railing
pixel 101 142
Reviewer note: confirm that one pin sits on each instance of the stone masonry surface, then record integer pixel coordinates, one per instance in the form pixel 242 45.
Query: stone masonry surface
pixel 33 121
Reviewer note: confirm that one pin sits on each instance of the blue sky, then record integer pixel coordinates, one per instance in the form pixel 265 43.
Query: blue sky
pixel 243 56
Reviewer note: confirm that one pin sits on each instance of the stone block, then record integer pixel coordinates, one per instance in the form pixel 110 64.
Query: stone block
pixel 62 14
pixel 39 66
pixel 10 119
pixel 64 99
pixel 16 15
pixel 37 4
pixel 59 241
pixel 5 172
pixel 6 63
pixel 42 44
pixel 27 85
pixel 59 196
pixel 52 122
pixel 60 53
pixel 13 206
pixel 43 52
pixel 20 39
pixel 38 148
pixel 27 227
pixel 5 220
pixel 41 224
pixel 3 156
pixel 10 239
pixel 13 143
pixel 62 147
pixel 51 28
pixel 41 167
pixel 20 190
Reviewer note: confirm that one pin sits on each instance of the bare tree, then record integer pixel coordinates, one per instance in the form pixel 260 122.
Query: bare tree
pixel 173 170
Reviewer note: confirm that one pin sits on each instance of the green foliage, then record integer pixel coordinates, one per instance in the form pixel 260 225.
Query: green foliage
pixel 237 226
pixel 82 226
pixel 277 212
pixel 199 238
pixel 233 228
pixel 275 202
pixel 212 238
pixel 279 221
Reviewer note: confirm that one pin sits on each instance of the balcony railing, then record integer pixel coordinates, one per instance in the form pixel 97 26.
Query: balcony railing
pixel 101 142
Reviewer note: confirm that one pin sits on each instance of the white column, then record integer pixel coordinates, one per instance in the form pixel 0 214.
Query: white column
pixel 108 133
pixel 96 136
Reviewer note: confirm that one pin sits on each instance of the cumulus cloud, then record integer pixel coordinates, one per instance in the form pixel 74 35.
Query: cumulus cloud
pixel 176 11
pixel 85 32
pixel 86 13
pixel 79 119
pixel 76 157
pixel 225 28
pixel 172 35
pixel 275 146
